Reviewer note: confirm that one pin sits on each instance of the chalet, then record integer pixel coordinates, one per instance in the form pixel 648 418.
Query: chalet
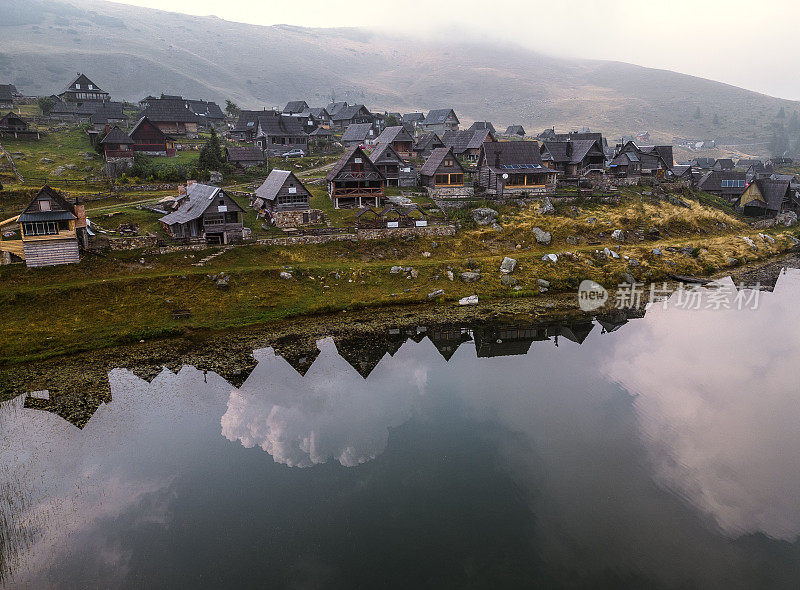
pixel 363 134
pixel 768 198
pixel 412 120
pixel 724 164
pixel 745 163
pixel 399 138
pixel 295 106
pixel 210 114
pixel 397 171
pixel 277 134
pixel 117 144
pixel 321 116
pixel 354 113
pixel 514 167
pixel 515 131
pixel 205 212
pixel 440 121
pixel 13 125
pixel 703 163
pixel 82 89
pixel 354 181
pixel 573 157
pixel 52 230
pixel 728 184
pixel 442 170
pixel 467 144
pixel 632 160
pixel 425 144
pixel 334 107
pixel 244 157
pixel 483 125
pixel 246 125
pixel 284 200
pixel 100 114
pixel 8 92
pixel 63 110
pixel 149 140
pixel 172 116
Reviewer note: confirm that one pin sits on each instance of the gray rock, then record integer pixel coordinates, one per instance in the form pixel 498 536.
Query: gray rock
pixel 794 240
pixel 508 265
pixel 470 277
pixel 471 300
pixel 613 254
pixel 484 216
pixel 732 262
pixel 767 238
pixel 656 252
pixel 508 281
pixel 618 235
pixel 788 219
pixel 550 258
pixel 676 201
pixel 46 161
pixel 749 242
pixel 286 275
pixel 573 240
pixel 223 282
pixel 58 171
pixel 633 262
pixel 542 237
pixel 435 294
pixel 426 254
pixel 543 284
pixel 396 270
pixel 414 273
pixel 546 208
pixel 450 275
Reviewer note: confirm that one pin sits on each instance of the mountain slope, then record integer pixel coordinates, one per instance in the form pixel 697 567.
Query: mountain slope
pixel 132 52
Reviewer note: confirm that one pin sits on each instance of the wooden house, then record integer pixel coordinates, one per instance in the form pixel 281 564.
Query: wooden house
pixel 573 157
pixel 117 144
pixel 210 114
pixel 724 164
pixel 514 167
pixel 728 184
pixel 83 89
pixel 100 114
pixel 467 144
pixel 768 198
pixel 425 144
pixel 285 201
pixel 321 116
pixel 515 131
pixel 442 170
pixel 412 122
pixel 8 92
pixel 354 181
pixel 150 140
pixel 363 134
pixel 354 113
pixel 632 160
pixel 440 121
pixel 399 138
pixel 395 169
pixel 295 106
pixel 205 212
pixel 483 126
pixel 277 134
pixel 172 116
pixel 244 157
pixel 52 230
pixel 12 125
pixel 246 125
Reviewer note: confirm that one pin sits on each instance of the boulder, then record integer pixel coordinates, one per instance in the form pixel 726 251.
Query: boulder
pixel 223 282
pixel 470 277
pixel 286 275
pixel 628 278
pixel 613 254
pixel 546 208
pixel 396 270
pixel 618 235
pixel 543 284
pixel 471 300
pixel 46 161
pixel 542 237
pixel 550 258
pixel 633 262
pixel 484 216
pixel 767 238
pixel 508 265
pixel 426 254
pixel 435 294
pixel 508 281
pixel 749 242
pixel 656 252
pixel 788 219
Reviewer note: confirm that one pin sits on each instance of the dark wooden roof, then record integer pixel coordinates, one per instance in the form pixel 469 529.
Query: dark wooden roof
pixel 275 182
pixel 435 160
pixel 116 135
pixel 295 106
pixel 515 130
pixel 276 124
pixel 31 213
pixel 85 84
pixel 468 139
pixel 439 116
pixel 572 152
pixel 394 133
pixel 357 132
pixel 198 198
pixel 384 153
pixel 248 153
pixel 352 153
pixel 500 156
pixel 481 125
pixel 170 110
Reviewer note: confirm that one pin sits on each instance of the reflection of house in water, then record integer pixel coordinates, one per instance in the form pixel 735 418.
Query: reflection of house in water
pixel 447 339
pixel 612 321
pixel 300 355
pixel 577 332
pixel 234 365
pixel 77 405
pixel 506 340
pixel 362 353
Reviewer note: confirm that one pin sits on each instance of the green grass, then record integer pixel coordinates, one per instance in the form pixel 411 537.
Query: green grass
pixel 65 147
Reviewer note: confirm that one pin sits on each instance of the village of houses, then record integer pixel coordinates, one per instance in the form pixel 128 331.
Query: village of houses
pixel 309 174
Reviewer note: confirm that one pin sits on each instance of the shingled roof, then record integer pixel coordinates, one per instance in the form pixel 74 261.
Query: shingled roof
pixel 276 125
pixel 295 106
pixel 351 153
pixel 170 110
pixel 481 125
pixel 357 132
pixel 274 183
pixel 248 153
pixel 394 133
pixel 85 84
pixel 571 152
pixel 435 160
pixel 439 116
pixel 116 135
pixel 469 139
pixel 198 198
pixel 773 192
pixel 209 111
pixel 384 153
pixel 500 156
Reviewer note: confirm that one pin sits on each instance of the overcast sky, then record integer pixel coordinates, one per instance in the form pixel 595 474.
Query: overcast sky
pixel 751 44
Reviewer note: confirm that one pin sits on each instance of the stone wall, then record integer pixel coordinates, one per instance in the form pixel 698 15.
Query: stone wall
pixel 295 218
pixel 383 233
pixel 130 243
pixel 451 192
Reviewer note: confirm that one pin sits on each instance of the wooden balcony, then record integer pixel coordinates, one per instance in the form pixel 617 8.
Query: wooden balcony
pixel 119 154
pixel 370 192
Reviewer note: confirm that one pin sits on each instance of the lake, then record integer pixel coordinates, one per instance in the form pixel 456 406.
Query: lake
pixel 652 452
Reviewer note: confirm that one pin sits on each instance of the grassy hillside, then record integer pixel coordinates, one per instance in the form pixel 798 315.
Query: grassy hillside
pixel 132 52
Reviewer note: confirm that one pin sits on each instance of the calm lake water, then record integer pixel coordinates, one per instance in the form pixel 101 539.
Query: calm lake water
pixel 661 452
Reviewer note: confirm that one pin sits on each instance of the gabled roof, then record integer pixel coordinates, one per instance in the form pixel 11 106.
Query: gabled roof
pixel 350 112
pixel 116 135
pixel 384 153
pixel 295 106
pixel 11 118
pixel 248 153
pixel 276 124
pixel 357 132
pixel 7 92
pixel 469 139
pixel 435 160
pixel 63 107
pixel 712 180
pixel 515 130
pixel 427 140
pixel 439 116
pixel 209 111
pixel 102 112
pixel 170 110
pixel 68 209
pixel 85 84
pixel 334 107
pixel 319 113
pixel 144 120
pixel 198 198
pixel 413 118
pixel 248 120
pixel 394 133
pixel 502 156
pixel 774 192
pixel 572 152
pixel 724 164
pixel 483 125
pixel 353 152
pixel 275 182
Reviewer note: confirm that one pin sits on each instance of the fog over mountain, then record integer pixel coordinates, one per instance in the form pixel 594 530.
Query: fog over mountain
pixel 132 52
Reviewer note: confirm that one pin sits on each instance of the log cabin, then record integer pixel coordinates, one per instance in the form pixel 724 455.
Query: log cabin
pixel 277 134
pixel 244 157
pixel 440 121
pixel 467 144
pixel 172 116
pixel 148 139
pixel 363 134
pixel 515 131
pixel 574 157
pixel 205 212
pixel 442 170
pixel 354 181
pixel 285 201
pixel 116 144
pixel 399 138
pixel 768 198
pixel 12 125
pixel 726 184
pixel 397 171
pixel 83 89
pixel 512 168
pixel 425 144
pixel 354 113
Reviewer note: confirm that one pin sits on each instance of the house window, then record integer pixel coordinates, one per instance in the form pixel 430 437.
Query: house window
pixel 44 205
pixel 77 86
pixel 42 228
pixel 448 162
pixel 449 179
pixel 213 219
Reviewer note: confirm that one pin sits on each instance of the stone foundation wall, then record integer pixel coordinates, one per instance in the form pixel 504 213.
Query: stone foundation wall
pixel 383 233
pixel 294 218
pixel 117 244
pixel 451 192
